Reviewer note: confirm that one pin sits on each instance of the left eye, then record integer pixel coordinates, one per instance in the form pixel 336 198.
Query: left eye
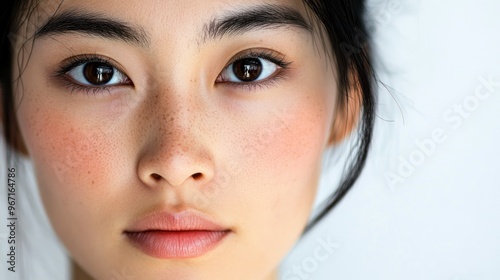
pixel 97 74
pixel 246 70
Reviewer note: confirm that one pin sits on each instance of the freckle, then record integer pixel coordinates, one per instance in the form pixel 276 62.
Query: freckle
pixel 88 172
pixel 92 182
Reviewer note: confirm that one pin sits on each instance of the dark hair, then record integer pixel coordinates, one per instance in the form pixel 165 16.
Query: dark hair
pixel 344 24
pixel 9 122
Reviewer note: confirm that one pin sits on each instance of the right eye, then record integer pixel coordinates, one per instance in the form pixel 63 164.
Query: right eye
pixel 251 69
pixel 97 74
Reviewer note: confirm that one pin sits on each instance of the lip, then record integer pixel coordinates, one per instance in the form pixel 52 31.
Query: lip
pixel 168 235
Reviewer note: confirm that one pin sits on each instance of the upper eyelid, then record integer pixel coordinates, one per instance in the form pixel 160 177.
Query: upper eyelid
pixel 72 62
pixel 260 53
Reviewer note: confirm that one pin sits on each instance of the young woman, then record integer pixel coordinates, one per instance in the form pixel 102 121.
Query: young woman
pixel 183 139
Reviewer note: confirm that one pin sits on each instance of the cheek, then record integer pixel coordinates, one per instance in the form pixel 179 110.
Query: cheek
pixel 71 159
pixel 74 168
pixel 60 147
pixel 282 165
pixel 293 160
pixel 292 169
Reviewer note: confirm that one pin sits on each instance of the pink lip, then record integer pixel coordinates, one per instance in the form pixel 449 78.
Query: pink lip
pixel 168 235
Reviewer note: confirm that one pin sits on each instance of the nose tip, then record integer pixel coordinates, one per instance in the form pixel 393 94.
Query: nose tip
pixel 178 175
pixel 174 165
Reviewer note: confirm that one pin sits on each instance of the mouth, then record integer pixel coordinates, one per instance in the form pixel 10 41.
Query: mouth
pixel 181 235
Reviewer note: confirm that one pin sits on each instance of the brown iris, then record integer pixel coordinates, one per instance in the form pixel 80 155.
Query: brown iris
pixel 248 69
pixel 98 73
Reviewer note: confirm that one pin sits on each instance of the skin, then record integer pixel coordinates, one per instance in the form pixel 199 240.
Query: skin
pixel 104 160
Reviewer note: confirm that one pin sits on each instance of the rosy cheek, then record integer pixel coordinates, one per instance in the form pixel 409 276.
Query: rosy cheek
pixel 65 149
pixel 281 153
pixel 296 139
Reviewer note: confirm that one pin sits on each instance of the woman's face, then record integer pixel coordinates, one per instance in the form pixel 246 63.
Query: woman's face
pixel 172 111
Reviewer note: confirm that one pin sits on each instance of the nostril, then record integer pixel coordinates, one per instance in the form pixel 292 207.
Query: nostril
pixel 156 176
pixel 197 176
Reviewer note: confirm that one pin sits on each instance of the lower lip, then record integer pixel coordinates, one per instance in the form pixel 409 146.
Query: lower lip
pixel 176 244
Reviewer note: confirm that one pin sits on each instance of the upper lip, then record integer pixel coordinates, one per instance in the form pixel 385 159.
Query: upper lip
pixel 179 221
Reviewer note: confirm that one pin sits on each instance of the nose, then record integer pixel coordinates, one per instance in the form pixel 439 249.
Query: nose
pixel 173 149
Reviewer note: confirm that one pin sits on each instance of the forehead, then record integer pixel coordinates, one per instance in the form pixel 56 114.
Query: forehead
pixel 151 15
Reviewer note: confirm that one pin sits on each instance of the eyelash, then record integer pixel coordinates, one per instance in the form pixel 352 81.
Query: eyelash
pixel 269 55
pixel 73 62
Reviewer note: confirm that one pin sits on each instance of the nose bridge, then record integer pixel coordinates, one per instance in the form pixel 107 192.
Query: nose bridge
pixel 174 150
pixel 176 94
pixel 173 102
pixel 175 132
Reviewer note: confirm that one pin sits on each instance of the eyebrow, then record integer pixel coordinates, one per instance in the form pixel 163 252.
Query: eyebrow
pixel 93 24
pixel 267 16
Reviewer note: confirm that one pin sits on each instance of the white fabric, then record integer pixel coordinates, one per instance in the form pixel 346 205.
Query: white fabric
pixel 39 254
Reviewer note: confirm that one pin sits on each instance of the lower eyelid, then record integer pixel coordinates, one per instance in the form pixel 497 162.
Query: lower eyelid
pixel 75 87
pixel 267 83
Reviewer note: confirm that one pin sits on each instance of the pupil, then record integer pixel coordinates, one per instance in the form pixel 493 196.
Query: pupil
pixel 98 73
pixel 248 69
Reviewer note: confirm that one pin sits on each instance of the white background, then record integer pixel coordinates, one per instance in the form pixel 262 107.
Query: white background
pixel 442 220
